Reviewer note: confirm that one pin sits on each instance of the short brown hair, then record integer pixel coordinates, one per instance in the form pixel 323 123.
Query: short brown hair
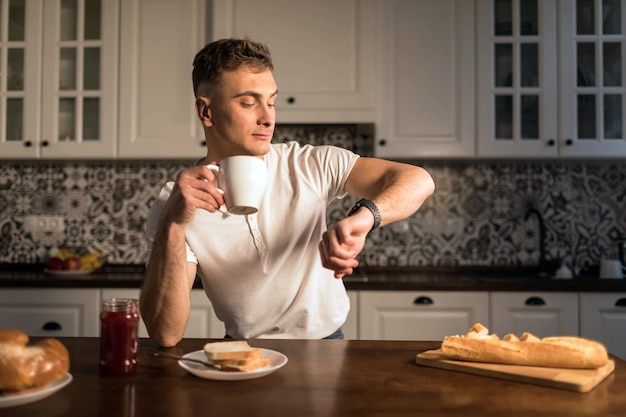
pixel 228 55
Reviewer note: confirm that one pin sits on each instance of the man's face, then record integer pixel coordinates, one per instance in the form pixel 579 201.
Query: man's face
pixel 243 115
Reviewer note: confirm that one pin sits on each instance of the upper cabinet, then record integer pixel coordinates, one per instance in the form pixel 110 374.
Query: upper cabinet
pixel 426 79
pixel 157 117
pixel 551 86
pixel 58 78
pixel 323 51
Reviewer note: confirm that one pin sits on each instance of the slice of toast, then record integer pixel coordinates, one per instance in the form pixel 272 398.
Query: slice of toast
pixel 243 366
pixel 231 350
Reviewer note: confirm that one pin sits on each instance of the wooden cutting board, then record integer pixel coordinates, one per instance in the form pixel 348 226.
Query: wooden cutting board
pixel 578 380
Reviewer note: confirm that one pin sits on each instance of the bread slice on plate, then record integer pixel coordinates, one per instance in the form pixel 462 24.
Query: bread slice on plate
pixel 236 355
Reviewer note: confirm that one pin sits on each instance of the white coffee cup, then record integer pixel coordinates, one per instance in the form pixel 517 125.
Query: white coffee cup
pixel 611 268
pixel 242 179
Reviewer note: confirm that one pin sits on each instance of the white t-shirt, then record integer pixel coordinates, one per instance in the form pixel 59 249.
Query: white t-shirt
pixel 263 272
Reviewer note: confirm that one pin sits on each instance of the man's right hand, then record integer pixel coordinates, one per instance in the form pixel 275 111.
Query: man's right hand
pixel 194 189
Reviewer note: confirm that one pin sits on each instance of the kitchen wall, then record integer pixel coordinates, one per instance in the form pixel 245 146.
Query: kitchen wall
pixel 475 217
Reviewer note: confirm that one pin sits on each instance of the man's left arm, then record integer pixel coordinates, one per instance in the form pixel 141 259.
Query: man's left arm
pixel 396 189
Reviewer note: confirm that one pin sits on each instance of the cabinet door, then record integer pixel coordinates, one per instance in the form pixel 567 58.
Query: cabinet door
pixel 323 52
pixel 407 315
pixel 603 318
pixel 426 79
pixel 80 67
pixel 157 117
pixel 516 81
pixel 351 326
pixel 20 79
pixel 542 314
pixel 202 320
pixel 592 78
pixel 51 312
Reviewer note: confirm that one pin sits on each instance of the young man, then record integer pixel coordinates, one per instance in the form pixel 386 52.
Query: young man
pixel 276 273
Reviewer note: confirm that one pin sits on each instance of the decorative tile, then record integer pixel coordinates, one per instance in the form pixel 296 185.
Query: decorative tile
pixel 475 217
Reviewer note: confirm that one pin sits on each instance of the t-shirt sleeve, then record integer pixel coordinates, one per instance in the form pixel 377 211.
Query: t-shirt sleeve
pixel 329 167
pixel 153 220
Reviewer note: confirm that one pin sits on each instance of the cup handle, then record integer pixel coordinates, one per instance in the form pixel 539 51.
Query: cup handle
pixel 215 169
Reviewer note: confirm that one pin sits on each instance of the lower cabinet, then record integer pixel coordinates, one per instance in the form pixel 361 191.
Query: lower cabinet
pixel 603 318
pixel 409 315
pixel 203 323
pixel 542 314
pixel 351 326
pixel 51 312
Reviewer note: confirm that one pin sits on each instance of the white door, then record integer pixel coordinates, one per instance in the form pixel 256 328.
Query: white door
pixel 409 315
pixel 157 117
pixel 323 52
pixel 542 314
pixel 603 318
pixel 426 79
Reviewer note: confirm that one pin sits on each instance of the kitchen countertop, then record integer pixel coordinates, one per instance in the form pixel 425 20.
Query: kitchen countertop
pixel 367 278
pixel 321 378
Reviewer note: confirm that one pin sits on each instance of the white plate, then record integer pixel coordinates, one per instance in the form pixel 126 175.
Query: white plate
pixel 13 400
pixel 68 272
pixel 278 360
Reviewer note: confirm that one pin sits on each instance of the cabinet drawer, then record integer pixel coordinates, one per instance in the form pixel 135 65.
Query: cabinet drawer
pixel 51 312
pixel 428 315
pixel 542 314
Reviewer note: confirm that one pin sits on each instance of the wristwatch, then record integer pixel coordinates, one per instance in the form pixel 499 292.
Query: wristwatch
pixel 364 202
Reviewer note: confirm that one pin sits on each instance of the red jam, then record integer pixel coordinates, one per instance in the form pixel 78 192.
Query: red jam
pixel 119 324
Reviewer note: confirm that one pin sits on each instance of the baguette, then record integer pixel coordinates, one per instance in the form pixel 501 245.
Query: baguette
pixel 557 351
pixel 23 367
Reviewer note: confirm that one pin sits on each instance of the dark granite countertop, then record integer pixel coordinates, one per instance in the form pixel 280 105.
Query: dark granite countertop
pixel 367 278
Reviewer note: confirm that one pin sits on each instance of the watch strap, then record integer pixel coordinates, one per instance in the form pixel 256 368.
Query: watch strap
pixel 364 202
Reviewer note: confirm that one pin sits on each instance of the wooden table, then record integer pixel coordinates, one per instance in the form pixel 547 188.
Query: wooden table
pixel 322 378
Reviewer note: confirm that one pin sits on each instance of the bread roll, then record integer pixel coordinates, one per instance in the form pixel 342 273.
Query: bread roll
pixel 557 352
pixel 23 366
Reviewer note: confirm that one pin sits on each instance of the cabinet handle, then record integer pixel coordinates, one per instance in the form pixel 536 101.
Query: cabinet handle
pixel 423 301
pixel 44 143
pixel 569 142
pixel 535 301
pixel 51 326
pixel 28 144
pixel 551 142
pixel 382 142
pixel 291 100
pixel 621 302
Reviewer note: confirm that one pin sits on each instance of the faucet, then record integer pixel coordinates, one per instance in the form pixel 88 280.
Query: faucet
pixel 542 240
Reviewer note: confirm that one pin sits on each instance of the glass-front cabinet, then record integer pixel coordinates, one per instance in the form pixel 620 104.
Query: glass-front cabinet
pixel 551 78
pixel 58 78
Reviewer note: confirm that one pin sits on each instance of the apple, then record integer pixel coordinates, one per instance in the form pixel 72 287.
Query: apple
pixel 72 263
pixel 54 263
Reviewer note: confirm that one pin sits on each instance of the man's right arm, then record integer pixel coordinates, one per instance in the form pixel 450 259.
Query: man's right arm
pixel 165 294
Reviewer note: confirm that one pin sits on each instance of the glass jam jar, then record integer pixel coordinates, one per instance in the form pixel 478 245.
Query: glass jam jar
pixel 119 325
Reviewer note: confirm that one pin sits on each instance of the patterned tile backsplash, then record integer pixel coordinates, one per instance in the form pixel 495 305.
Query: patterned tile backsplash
pixel 475 217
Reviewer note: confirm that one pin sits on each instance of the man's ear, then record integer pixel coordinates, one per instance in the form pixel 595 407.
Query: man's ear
pixel 203 109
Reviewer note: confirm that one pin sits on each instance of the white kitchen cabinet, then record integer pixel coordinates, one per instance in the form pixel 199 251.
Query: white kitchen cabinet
pixel 58 79
pixel 51 312
pixel 202 323
pixel 542 314
pixel 426 79
pixel 417 315
pixel 551 78
pixel 603 318
pixel 351 326
pixel 159 40
pixel 323 52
